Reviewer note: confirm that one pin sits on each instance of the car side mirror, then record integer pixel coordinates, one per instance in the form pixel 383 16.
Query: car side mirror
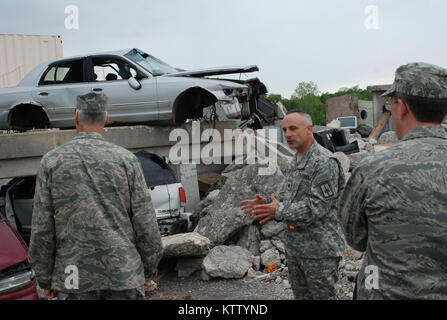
pixel 134 83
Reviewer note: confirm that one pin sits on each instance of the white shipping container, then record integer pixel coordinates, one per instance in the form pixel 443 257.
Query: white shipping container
pixel 20 53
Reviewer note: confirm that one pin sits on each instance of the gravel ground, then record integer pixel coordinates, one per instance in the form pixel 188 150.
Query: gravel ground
pixel 171 287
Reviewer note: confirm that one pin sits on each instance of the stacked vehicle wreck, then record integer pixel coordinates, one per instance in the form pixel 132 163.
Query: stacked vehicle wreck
pixel 141 89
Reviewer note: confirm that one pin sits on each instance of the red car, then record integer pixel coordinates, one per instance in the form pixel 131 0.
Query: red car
pixel 17 280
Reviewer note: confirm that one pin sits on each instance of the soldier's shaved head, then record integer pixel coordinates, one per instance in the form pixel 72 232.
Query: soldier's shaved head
pixel 307 118
pixel 297 128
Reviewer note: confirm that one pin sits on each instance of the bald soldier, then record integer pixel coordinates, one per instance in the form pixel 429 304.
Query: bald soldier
pixel 94 230
pixel 394 206
pixel 307 206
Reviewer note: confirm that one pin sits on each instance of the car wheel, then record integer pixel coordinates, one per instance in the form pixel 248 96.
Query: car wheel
pixel 27 117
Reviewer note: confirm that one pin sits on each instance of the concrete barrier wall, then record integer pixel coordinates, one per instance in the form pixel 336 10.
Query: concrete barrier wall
pixel 20 153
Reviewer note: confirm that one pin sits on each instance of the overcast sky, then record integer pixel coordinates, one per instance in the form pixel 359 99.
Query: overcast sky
pixel 334 43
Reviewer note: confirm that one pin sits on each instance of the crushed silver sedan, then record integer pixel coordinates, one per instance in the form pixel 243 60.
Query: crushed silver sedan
pixel 141 89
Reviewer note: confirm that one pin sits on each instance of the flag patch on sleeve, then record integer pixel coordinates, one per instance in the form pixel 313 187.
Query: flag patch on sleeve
pixel 326 189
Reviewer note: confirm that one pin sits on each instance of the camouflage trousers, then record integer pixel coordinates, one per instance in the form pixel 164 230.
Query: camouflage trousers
pixel 313 279
pixel 132 294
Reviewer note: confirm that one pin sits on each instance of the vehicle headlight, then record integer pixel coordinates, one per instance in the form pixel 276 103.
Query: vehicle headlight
pixel 228 92
pixel 16 282
pixel 16 277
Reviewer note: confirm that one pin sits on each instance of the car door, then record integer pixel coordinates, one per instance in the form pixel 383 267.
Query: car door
pixel 109 75
pixel 58 89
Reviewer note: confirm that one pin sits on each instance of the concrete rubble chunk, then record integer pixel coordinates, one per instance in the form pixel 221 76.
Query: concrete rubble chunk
pixel 272 228
pixel 257 263
pixel 185 245
pixel 250 239
pixel 354 136
pixel 251 273
pixel 279 236
pixel 265 245
pixel 344 161
pixel 263 277
pixel 225 217
pixel 269 256
pixel 210 198
pixel 228 262
pixel 361 144
pixel 204 276
pixel 279 245
pixel 368 145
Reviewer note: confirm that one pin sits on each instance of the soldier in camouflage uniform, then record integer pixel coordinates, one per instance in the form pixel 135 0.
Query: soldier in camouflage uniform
pixel 394 206
pixel 307 205
pixel 93 211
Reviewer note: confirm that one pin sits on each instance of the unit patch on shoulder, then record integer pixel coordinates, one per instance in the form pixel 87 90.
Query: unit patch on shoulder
pixel 326 189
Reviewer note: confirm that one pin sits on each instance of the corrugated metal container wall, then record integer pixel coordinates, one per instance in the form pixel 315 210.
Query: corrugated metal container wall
pixel 20 53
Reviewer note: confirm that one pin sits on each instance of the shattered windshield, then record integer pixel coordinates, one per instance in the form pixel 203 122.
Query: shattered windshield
pixel 150 63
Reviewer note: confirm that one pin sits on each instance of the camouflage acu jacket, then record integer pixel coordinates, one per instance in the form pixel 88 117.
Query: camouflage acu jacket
pixel 394 207
pixel 308 200
pixel 92 210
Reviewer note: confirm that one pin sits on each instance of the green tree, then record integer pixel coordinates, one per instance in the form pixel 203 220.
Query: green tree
pixel 304 89
pixel 361 94
pixel 314 107
pixel 307 98
pixel 274 98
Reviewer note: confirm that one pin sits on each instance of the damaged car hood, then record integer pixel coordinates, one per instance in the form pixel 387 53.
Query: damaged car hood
pixel 214 71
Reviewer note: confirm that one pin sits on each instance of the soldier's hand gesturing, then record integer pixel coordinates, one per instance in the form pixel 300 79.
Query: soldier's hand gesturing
pixel 262 210
pixel 251 203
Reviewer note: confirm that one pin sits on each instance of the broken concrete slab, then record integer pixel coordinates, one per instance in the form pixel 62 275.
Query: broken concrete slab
pixel 265 245
pixel 225 217
pixel 272 228
pixel 279 245
pixel 250 239
pixel 210 198
pixel 279 236
pixel 228 262
pixel 221 224
pixel 185 245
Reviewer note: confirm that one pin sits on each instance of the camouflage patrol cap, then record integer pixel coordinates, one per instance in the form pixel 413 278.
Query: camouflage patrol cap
pixel 420 79
pixel 92 102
